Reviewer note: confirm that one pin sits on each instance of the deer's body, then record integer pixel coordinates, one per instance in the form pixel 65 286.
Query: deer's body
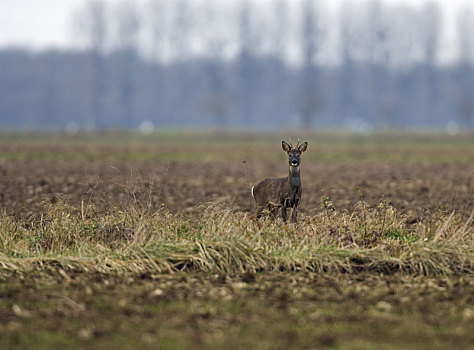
pixel 282 192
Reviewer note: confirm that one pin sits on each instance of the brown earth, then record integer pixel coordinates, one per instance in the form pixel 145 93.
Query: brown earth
pixel 215 311
pixel 59 309
pixel 185 186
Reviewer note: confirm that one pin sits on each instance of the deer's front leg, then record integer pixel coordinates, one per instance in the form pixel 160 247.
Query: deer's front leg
pixel 294 210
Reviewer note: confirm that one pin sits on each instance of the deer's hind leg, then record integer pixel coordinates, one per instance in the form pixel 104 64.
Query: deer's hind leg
pixel 261 208
pixel 284 206
pixel 258 211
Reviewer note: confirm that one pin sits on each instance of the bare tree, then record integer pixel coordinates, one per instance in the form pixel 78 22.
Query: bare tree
pixel 310 97
pixel 181 29
pixel 248 75
pixel 127 29
pixel 430 31
pixel 281 27
pixel 347 80
pixel 92 26
pixel 216 100
pixel 127 26
pixel 465 30
pixel 157 11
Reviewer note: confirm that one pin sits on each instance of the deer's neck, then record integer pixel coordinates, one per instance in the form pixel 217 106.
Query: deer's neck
pixel 294 177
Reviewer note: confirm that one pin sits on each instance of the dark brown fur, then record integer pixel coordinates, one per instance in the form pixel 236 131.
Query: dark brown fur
pixel 285 192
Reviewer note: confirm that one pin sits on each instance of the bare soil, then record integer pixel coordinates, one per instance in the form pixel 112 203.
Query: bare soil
pixel 266 310
pixel 184 187
pixel 205 311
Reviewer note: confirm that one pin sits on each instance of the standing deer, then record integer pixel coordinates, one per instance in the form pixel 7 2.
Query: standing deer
pixel 282 192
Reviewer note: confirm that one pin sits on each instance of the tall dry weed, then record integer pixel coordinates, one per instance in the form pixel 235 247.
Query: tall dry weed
pixel 140 239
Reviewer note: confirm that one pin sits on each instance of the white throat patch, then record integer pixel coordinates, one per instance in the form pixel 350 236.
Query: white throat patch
pixel 294 169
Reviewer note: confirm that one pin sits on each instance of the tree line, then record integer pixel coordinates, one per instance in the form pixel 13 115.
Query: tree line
pixel 217 64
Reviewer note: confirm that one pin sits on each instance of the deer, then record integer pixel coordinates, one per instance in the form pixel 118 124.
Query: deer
pixel 285 192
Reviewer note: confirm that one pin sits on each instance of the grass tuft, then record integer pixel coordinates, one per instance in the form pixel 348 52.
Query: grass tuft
pixel 375 239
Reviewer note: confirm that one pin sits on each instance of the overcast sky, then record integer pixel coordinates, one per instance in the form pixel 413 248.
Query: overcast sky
pixel 40 24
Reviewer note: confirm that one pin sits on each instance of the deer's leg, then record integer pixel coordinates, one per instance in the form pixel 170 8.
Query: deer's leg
pixel 258 211
pixel 273 208
pixel 283 210
pixel 294 211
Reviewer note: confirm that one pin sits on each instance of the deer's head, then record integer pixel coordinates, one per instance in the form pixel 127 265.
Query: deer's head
pixel 294 154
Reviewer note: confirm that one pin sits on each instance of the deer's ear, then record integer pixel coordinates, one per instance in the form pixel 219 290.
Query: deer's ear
pixel 303 147
pixel 286 147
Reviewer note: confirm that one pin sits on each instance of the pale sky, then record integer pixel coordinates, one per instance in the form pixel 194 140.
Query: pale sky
pixel 43 24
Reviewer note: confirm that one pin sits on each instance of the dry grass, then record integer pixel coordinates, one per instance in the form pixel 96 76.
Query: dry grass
pixel 376 239
pixel 104 273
